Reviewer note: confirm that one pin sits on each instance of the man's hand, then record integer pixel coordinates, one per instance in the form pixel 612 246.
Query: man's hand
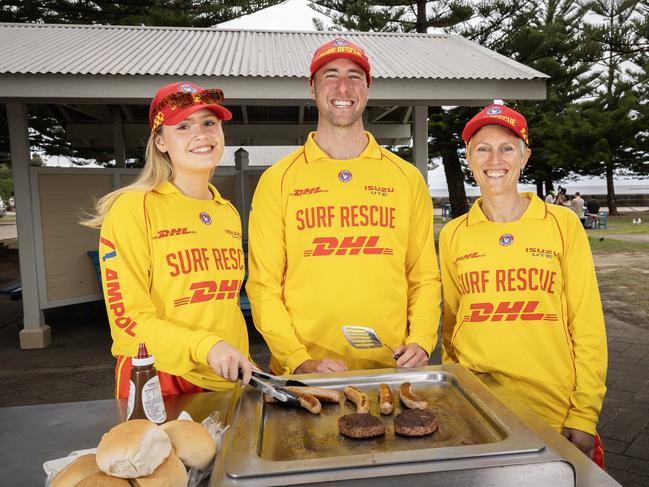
pixel 412 355
pixel 320 366
pixel 582 440
pixel 227 360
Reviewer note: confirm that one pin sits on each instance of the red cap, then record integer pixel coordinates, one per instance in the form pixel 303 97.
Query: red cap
pixel 336 49
pixel 497 115
pixel 171 115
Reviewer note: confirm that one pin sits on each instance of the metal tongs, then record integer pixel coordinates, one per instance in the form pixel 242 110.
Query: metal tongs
pixel 274 386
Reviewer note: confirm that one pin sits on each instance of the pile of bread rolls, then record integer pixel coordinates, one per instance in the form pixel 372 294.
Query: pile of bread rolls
pixel 142 454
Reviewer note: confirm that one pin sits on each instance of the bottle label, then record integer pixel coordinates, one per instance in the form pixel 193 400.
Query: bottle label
pixel 152 402
pixel 131 400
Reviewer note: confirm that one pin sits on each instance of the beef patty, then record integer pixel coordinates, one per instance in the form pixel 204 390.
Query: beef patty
pixel 360 425
pixel 415 422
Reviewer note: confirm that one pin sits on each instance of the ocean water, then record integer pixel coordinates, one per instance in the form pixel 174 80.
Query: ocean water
pixel 585 185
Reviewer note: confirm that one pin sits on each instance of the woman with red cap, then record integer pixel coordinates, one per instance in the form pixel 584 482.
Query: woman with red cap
pixel 171 256
pixel 521 300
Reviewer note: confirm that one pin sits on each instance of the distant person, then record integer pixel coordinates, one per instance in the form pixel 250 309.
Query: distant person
pixel 521 300
pixel 171 255
pixel 562 198
pixel 577 205
pixel 12 204
pixel 551 197
pixel 592 212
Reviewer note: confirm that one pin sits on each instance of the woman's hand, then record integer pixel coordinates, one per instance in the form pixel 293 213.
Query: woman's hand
pixel 582 440
pixel 320 366
pixel 227 361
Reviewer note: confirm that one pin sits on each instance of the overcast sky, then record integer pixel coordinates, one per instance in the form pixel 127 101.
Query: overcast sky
pixel 288 15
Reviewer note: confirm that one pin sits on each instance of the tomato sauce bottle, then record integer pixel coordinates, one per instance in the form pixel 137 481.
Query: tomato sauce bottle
pixel 144 395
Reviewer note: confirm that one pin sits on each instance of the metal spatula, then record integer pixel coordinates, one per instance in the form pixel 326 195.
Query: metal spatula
pixel 365 337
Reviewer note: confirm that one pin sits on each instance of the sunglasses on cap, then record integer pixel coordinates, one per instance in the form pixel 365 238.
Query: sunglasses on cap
pixel 185 99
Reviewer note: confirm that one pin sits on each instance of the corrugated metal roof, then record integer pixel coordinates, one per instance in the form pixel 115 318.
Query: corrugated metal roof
pixel 132 51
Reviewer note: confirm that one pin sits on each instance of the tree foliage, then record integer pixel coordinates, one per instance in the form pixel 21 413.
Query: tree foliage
pixel 179 13
pixel 612 121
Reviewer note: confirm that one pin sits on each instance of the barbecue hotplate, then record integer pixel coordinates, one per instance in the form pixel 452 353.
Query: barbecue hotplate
pixel 269 439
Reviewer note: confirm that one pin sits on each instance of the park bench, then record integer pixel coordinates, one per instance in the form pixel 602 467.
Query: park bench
pixel 15 291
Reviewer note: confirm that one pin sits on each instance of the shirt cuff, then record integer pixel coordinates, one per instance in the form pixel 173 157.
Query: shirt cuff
pixel 576 422
pixel 296 359
pixel 425 342
pixel 204 347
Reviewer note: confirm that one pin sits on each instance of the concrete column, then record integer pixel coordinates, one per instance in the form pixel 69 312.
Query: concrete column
pixel 420 139
pixel 35 333
pixel 241 162
pixel 119 144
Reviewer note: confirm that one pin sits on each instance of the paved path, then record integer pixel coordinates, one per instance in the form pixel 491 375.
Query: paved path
pixel 624 422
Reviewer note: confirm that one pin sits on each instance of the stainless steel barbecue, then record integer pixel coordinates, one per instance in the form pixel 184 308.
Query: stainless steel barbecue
pixel 479 439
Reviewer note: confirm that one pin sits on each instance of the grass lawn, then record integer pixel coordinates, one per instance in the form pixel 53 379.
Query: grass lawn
pixel 622 224
pixel 8 219
pixel 609 245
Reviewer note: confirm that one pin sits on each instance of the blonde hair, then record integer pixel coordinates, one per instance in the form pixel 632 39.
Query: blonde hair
pixel 157 170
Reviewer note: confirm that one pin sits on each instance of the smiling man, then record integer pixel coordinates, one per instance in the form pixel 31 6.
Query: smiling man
pixel 341 233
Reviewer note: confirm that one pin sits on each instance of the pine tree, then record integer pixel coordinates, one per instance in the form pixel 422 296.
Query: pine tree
pixel 548 37
pixel 612 143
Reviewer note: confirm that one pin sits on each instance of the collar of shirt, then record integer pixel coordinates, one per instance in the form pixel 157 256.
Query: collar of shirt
pixel 168 188
pixel 313 152
pixel 537 210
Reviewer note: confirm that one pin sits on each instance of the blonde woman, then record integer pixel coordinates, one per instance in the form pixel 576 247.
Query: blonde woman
pixel 170 250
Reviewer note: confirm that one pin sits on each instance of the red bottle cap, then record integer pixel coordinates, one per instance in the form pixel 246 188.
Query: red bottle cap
pixel 142 357
pixel 142 351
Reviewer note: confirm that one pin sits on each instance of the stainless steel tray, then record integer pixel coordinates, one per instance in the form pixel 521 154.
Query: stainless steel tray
pixel 269 439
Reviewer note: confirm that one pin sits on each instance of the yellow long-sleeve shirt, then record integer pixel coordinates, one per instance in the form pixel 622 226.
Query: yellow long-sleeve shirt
pixel 342 242
pixel 172 268
pixel 521 303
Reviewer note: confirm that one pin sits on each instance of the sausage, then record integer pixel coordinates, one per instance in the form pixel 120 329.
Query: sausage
pixel 411 400
pixel 310 403
pixel 324 395
pixel 359 398
pixel 307 401
pixel 386 399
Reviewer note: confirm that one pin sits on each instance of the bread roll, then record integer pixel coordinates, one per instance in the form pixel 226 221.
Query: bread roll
pixel 171 473
pixel 83 466
pixel 191 442
pixel 133 449
pixel 100 479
